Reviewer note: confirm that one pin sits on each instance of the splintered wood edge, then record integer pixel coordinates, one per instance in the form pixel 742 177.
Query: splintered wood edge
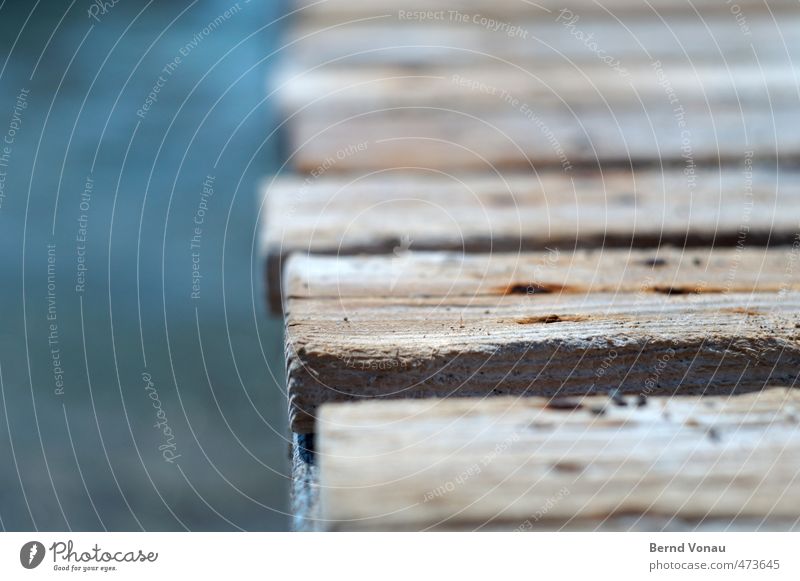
pixel 537 345
pixel 407 425
pixel 365 289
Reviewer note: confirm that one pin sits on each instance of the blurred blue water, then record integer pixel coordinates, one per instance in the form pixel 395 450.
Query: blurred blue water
pixel 97 336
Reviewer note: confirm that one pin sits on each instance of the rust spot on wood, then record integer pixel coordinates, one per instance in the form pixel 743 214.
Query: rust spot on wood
pixel 564 403
pixel 535 288
pixel 742 311
pixel 569 467
pixel 547 319
pixel 686 290
pixel 674 290
pixel 654 262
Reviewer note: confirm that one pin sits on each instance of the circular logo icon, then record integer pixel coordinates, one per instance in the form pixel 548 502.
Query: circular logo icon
pixel 31 554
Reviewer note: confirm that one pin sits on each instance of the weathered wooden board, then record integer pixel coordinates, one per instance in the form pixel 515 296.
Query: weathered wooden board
pixel 496 116
pixel 547 39
pixel 314 9
pixel 531 463
pixel 524 114
pixel 446 139
pixel 545 331
pixel 463 276
pixel 333 93
pixel 395 211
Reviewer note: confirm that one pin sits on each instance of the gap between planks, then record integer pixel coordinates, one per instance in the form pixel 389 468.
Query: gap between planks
pixel 394 211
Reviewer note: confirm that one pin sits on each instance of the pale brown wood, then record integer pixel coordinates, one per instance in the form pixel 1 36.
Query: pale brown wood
pixel 549 39
pixel 391 92
pixel 725 322
pixel 697 463
pixel 680 88
pixel 334 93
pixel 395 211
pixel 500 115
pixel 519 127
pixel 458 275
pixel 510 9
pixel 446 139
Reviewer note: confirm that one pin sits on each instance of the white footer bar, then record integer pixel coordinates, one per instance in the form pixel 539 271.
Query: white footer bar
pixel 389 556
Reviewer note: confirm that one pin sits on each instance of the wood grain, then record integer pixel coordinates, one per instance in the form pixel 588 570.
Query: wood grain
pixel 333 93
pixel 511 212
pixel 388 113
pixel 645 90
pixel 503 116
pixel 446 139
pixel 463 276
pixel 315 10
pixel 520 330
pixel 390 39
pixel 705 463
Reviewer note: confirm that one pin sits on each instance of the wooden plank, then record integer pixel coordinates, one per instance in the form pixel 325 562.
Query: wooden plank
pixel 490 110
pixel 534 336
pixel 333 93
pixel 446 139
pixel 458 275
pixel 496 116
pixel 511 212
pixel 707 463
pixel 313 9
pixel 546 40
